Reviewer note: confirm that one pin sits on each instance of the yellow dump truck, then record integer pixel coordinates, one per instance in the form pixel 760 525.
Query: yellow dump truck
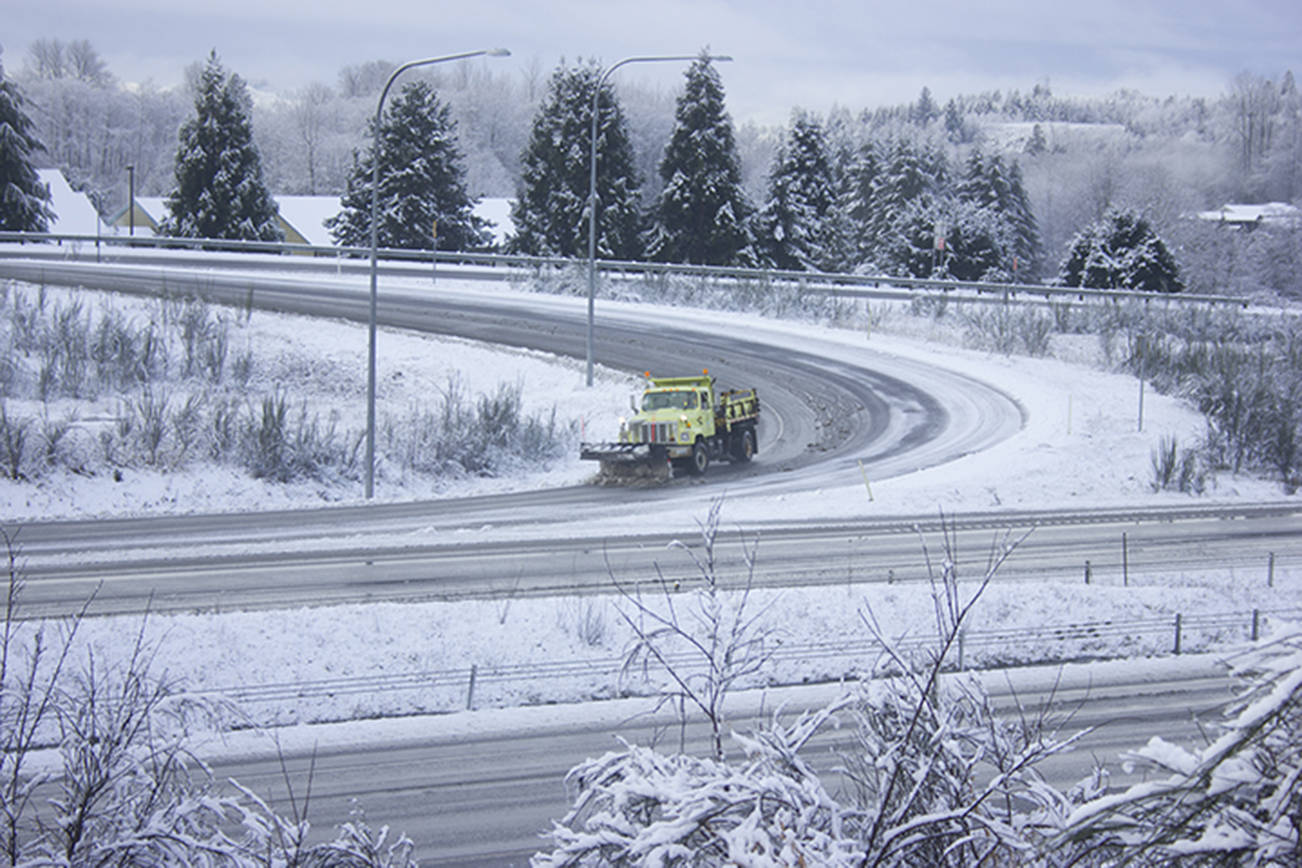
pixel 681 423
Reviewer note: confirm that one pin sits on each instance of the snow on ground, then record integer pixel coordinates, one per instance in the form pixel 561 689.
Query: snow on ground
pixel 1079 447
pixel 322 362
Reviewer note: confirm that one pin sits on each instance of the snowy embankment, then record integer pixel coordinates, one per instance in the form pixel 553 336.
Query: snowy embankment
pixel 1080 445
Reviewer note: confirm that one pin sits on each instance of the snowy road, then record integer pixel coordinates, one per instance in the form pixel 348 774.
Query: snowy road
pixel 828 408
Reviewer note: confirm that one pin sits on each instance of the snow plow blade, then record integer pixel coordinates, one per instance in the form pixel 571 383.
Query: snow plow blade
pixel 627 463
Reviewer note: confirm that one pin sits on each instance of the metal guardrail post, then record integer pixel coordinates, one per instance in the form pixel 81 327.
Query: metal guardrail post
pixel 1125 562
pixel 1177 632
pixel 470 694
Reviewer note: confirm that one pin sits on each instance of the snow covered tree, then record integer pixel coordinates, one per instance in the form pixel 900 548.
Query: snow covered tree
pixel 905 172
pixel 991 184
pixel 551 211
pixel 976 241
pixel 795 231
pixel 422 182
pixel 702 215
pixel 1236 801
pixel 219 190
pixel 924 111
pixel 24 200
pixel 1120 251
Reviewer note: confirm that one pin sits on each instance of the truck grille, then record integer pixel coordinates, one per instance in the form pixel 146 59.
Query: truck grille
pixel 656 432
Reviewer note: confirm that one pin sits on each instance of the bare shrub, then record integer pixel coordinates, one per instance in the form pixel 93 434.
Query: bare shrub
pixel 150 418
pixel 13 442
pixel 54 433
pixel 704 646
pixel 127 789
pixel 215 349
pixel 937 779
pixel 586 619
pixel 266 440
pixel 1176 469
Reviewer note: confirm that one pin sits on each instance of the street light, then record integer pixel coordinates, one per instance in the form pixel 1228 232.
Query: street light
pixel 592 180
pixel 375 189
pixel 131 199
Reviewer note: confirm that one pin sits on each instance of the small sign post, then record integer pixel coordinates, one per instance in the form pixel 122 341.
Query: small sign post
pixel 434 253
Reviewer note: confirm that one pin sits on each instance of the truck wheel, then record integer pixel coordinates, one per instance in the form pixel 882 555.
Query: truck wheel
pixel 744 447
pixel 700 459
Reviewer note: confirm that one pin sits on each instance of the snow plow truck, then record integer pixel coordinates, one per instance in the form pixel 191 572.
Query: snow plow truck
pixel 681 424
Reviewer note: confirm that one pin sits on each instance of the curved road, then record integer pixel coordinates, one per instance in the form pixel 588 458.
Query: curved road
pixel 826 408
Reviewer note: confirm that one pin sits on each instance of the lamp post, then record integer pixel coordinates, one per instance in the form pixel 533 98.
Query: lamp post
pixel 131 199
pixel 375 191
pixel 592 180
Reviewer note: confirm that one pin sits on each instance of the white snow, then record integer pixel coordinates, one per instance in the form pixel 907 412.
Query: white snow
pixel 74 214
pixel 306 215
pixel 1079 446
pixel 497 212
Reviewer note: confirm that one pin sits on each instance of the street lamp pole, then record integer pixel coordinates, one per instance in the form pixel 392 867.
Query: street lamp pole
pixel 375 188
pixel 131 199
pixel 592 182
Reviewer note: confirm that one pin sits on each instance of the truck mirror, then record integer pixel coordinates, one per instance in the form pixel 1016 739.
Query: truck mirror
pixel 632 402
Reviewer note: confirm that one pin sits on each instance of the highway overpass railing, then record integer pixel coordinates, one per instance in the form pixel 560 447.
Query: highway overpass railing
pixel 813 282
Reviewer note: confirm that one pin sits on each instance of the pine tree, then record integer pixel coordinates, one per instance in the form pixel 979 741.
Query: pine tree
pixel 858 185
pixel 1120 251
pixel 795 232
pixel 975 246
pixel 550 214
pixel 702 216
pixel 422 182
pixel 908 172
pixel 990 184
pixel 220 192
pixel 24 200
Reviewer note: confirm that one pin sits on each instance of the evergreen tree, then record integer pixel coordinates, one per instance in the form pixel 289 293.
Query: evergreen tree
pixel 24 200
pixel 908 172
pixel 974 241
pixel 924 111
pixel 550 213
pixel 422 182
pixel 795 232
pixel 858 185
pixel 1120 251
pixel 991 184
pixel 702 216
pixel 219 190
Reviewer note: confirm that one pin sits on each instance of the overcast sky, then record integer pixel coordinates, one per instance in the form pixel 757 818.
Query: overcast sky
pixel 843 52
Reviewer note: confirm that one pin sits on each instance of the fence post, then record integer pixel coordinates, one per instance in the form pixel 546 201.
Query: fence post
pixel 1256 624
pixel 1125 562
pixel 1177 632
pixel 1087 572
pixel 470 694
pixel 1270 571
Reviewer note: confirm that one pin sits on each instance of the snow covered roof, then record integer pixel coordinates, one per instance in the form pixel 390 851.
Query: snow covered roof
pixel 304 216
pixel 73 212
pixel 1255 215
pixel 498 213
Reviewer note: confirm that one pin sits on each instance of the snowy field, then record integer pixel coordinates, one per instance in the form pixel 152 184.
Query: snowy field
pixel 1079 447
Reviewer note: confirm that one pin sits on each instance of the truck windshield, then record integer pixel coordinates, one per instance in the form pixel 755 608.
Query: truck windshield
pixel 669 401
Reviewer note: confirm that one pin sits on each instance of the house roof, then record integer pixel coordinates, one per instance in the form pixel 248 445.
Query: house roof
pixel 73 212
pixel 306 216
pixel 1242 215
